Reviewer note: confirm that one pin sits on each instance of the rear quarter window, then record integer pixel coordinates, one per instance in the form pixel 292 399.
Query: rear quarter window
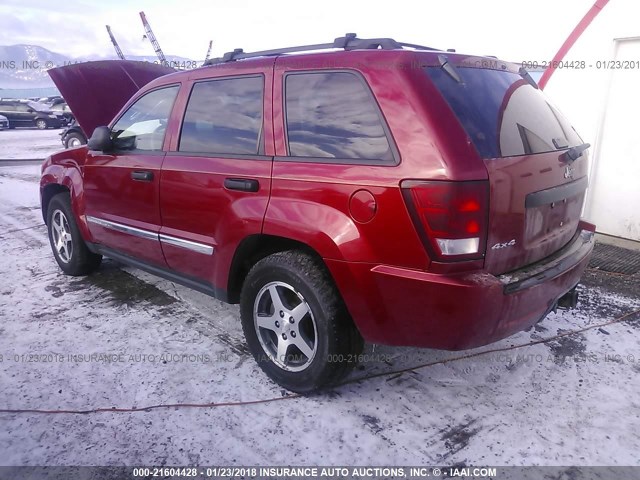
pixel 333 115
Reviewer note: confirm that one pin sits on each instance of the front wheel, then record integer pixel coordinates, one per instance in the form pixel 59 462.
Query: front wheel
pixel 73 140
pixel 67 244
pixel 41 124
pixel 295 323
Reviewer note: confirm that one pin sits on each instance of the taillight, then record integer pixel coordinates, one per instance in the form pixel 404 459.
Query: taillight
pixel 451 217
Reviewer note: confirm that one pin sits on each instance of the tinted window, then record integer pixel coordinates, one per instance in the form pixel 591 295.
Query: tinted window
pixel 502 114
pixel 7 108
pixel 333 115
pixel 224 116
pixel 143 125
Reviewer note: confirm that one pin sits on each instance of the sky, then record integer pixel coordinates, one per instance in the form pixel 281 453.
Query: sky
pixel 511 30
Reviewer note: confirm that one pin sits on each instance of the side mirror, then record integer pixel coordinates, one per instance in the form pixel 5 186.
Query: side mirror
pixel 100 140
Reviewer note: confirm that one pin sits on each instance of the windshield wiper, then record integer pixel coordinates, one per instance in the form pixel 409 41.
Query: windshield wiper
pixel 574 153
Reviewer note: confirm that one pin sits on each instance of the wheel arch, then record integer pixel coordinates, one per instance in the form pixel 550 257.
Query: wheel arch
pixel 253 249
pixel 48 192
pixel 58 177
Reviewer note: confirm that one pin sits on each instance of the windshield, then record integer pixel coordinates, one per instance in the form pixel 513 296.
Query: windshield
pixel 503 114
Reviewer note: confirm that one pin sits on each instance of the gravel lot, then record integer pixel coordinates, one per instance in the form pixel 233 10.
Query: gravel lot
pixel 97 342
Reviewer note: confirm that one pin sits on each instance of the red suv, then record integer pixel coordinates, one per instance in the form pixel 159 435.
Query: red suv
pixel 385 191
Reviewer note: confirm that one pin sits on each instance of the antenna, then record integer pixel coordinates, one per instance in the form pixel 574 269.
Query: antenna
pixel 152 39
pixel 208 51
pixel 115 44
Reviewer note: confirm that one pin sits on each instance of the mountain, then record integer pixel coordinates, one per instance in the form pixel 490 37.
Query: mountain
pixel 25 66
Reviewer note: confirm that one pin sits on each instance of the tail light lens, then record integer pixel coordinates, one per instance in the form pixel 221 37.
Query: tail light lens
pixel 451 217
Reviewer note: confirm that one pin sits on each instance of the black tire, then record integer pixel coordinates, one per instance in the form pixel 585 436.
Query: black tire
pixel 41 124
pixel 70 138
pixel 299 281
pixel 73 256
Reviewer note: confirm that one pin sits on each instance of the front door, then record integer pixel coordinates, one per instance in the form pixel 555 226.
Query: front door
pixel 121 187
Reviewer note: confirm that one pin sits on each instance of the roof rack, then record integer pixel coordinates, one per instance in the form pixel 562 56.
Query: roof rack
pixel 349 42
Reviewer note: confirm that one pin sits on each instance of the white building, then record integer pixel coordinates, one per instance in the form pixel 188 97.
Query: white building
pixel 602 98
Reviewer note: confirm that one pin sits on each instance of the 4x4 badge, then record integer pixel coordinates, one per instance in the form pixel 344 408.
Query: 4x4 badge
pixel 568 172
pixel 498 246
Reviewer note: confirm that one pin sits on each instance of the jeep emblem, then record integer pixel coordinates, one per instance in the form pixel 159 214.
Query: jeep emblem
pixel 568 172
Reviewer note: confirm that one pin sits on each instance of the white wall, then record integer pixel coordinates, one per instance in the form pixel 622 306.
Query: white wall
pixel 604 107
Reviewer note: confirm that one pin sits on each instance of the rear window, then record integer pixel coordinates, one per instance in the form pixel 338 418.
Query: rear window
pixel 503 115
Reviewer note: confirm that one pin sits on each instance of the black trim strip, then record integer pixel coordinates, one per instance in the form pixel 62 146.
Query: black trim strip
pixel 171 275
pixel 555 194
pixel 551 267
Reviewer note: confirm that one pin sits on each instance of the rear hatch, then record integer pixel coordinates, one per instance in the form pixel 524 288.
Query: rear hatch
pixel 536 195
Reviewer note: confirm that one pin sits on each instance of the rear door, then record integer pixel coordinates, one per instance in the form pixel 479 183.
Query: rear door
pixel 535 196
pixel 216 179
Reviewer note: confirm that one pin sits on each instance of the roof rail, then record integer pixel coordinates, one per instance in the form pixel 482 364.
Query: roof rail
pixel 349 42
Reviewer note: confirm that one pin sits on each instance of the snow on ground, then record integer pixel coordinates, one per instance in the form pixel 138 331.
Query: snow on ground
pixel 30 143
pixel 572 401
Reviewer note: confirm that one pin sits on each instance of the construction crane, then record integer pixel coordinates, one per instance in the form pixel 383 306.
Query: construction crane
pixel 208 51
pixel 115 44
pixel 152 39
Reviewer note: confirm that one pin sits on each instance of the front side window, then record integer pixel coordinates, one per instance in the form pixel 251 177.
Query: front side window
pixel 143 125
pixel 333 115
pixel 224 117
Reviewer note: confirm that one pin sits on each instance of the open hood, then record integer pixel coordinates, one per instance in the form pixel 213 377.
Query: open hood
pixel 96 91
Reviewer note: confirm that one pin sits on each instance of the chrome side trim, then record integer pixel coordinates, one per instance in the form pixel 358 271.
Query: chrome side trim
pixel 118 227
pixel 187 244
pixel 147 235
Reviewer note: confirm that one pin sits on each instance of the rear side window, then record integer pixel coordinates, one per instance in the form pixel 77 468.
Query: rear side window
pixel 502 114
pixel 333 115
pixel 224 117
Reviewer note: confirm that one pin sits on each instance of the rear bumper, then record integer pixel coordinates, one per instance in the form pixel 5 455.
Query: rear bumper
pixel 460 311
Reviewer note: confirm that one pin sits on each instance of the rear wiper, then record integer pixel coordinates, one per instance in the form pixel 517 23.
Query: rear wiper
pixel 524 74
pixel 450 69
pixel 574 153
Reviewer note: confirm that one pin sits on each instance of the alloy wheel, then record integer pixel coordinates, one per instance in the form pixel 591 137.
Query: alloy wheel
pixel 62 239
pixel 285 326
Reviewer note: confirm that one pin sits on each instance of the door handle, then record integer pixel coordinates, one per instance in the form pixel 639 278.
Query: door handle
pixel 144 176
pixel 242 184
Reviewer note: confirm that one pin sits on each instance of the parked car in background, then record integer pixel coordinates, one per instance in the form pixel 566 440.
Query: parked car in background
pixel 73 136
pixel 29 114
pixel 4 122
pixel 433 204
pixel 61 109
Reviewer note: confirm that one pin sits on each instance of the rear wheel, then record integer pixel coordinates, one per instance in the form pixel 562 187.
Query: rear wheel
pixel 41 124
pixel 296 325
pixel 67 244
